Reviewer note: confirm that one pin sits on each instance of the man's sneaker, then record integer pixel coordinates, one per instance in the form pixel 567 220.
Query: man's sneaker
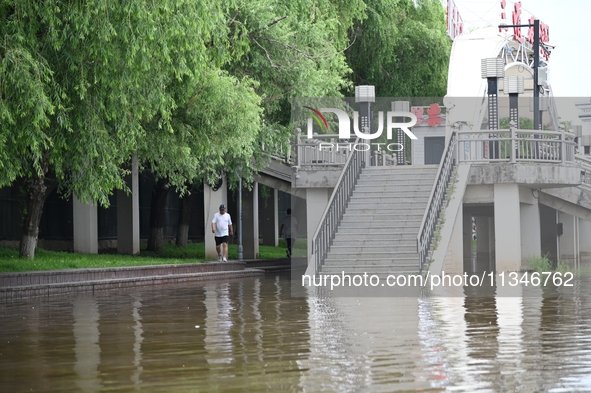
pixel 288 253
pixel 219 258
pixel 225 259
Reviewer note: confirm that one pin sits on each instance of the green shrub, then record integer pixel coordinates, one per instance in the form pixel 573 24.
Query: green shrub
pixel 540 264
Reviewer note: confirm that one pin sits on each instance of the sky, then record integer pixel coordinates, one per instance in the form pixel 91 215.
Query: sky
pixel 569 22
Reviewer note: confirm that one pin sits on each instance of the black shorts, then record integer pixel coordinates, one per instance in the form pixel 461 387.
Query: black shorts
pixel 221 239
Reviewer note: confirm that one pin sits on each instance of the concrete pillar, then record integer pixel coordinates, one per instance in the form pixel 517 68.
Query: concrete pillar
pixel 491 244
pixel 85 227
pixel 467 243
pixel 531 245
pixel 569 247
pixel 211 205
pixel 316 201
pixel 250 222
pixel 455 255
pixel 269 218
pixel 483 242
pixel 585 239
pixel 128 214
pixel 549 239
pixel 507 227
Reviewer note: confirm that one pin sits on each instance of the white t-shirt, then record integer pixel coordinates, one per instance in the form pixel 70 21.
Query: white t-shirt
pixel 221 222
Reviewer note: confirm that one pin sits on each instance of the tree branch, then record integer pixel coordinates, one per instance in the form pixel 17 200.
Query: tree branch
pixel 276 21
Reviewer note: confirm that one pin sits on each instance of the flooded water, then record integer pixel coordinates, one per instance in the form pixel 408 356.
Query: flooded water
pixel 250 335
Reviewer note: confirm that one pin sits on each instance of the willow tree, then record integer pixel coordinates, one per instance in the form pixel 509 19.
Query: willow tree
pixel 401 48
pixel 293 49
pixel 288 49
pixel 79 79
pixel 216 126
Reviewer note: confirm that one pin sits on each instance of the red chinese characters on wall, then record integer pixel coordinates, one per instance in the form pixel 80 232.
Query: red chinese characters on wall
pixel 418 112
pixel 434 120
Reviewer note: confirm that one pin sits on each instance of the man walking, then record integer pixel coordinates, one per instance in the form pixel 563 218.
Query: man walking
pixel 221 226
pixel 289 229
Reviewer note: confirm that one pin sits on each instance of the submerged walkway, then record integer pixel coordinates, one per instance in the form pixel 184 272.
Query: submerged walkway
pixel 52 282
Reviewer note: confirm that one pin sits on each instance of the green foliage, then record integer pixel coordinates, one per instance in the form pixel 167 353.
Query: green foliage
pixel 78 80
pixel 401 48
pixel 524 123
pixel 295 49
pixel 540 264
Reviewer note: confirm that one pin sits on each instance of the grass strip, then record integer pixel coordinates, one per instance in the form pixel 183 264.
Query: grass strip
pixel 58 260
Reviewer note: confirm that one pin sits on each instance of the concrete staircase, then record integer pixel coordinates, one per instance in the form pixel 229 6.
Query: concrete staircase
pixel 378 233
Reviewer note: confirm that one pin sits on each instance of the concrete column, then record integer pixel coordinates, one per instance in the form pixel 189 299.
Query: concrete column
pixel 531 245
pixel 467 243
pixel 585 239
pixel 483 242
pixel 128 214
pixel 316 201
pixel 85 227
pixel 454 261
pixel 269 218
pixel 569 240
pixel 507 227
pixel 549 239
pixel 491 244
pixel 250 222
pixel 211 205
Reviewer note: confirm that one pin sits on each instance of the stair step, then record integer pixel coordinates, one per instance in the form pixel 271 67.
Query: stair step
pixel 360 237
pixel 388 198
pixel 395 223
pixel 377 269
pixel 369 187
pixel 367 256
pixel 359 240
pixel 372 230
pixel 369 247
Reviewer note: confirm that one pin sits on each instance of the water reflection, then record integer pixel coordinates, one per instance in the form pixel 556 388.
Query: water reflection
pixel 138 332
pixel 86 349
pixel 251 335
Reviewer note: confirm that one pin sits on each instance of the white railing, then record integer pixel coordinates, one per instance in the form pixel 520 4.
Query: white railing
pixel 322 150
pixel 436 200
pixel 585 163
pixel 515 145
pixel 278 149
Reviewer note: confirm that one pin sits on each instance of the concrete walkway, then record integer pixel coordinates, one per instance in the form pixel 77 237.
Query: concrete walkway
pixel 51 282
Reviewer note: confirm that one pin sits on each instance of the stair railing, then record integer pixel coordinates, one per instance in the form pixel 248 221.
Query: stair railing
pixel 436 200
pixel 585 164
pixel 333 214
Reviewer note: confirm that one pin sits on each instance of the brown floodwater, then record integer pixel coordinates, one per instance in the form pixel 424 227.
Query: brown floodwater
pixel 250 335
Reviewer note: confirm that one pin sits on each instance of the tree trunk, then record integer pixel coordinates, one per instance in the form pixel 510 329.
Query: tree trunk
pixel 156 236
pixel 39 188
pixel 182 230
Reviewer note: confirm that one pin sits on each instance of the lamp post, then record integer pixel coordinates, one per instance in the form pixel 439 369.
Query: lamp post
pixel 365 95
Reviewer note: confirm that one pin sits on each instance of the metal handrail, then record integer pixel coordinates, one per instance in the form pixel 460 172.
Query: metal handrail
pixel 436 200
pixel 330 220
